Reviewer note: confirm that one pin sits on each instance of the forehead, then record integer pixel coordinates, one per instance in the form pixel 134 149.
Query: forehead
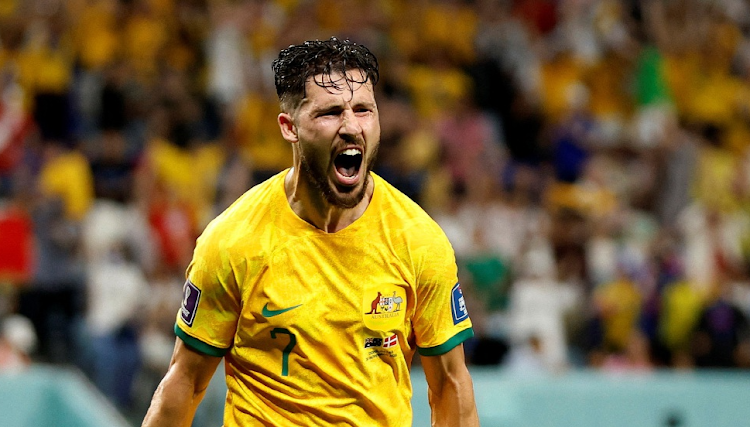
pixel 335 88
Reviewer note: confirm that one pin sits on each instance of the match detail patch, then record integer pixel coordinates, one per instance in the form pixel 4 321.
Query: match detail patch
pixel 388 342
pixel 458 305
pixel 191 296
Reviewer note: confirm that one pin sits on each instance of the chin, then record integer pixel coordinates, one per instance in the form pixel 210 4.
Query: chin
pixel 350 197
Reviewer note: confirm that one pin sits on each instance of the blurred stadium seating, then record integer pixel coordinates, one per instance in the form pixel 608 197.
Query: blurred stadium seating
pixel 54 396
pixel 589 161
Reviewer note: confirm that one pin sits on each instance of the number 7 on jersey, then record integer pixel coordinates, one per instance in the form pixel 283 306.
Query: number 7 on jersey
pixel 287 349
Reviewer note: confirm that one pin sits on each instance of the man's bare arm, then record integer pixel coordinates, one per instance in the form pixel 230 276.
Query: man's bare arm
pixel 179 393
pixel 450 392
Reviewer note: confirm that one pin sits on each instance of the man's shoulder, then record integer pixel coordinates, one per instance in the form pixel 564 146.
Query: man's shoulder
pixel 401 211
pixel 392 197
pixel 260 196
pixel 251 210
pixel 417 239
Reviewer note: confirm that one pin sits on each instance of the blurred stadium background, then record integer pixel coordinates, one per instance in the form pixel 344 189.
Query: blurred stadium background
pixel 587 159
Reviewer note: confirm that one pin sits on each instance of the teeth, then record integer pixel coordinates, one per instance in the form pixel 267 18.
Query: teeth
pixel 351 152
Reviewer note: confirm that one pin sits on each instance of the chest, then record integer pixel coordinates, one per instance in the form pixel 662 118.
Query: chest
pixel 321 290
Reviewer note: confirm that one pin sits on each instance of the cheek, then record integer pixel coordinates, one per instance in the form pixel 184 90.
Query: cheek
pixel 372 135
pixel 315 154
pixel 320 133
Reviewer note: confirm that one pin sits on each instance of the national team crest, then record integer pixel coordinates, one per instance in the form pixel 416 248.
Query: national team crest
pixel 385 304
pixel 384 307
pixel 458 305
pixel 190 298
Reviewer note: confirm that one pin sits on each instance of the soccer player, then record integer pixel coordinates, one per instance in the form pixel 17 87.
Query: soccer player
pixel 318 285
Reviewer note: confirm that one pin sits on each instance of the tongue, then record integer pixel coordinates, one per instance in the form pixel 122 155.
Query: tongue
pixel 347 172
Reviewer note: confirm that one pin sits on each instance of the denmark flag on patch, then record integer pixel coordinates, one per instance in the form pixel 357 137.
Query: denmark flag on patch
pixel 390 341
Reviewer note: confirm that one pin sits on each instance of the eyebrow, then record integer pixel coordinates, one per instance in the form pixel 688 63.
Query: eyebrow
pixel 330 106
pixel 326 107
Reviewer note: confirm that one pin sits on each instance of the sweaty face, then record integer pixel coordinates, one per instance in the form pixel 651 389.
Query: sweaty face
pixel 339 132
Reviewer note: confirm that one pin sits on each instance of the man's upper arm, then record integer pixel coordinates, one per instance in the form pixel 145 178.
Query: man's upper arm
pixel 192 366
pixel 211 302
pixel 445 367
pixel 451 392
pixel 441 320
pixel 179 393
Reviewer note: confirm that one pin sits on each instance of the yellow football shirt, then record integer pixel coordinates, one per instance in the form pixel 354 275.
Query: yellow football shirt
pixel 319 329
pixel 68 176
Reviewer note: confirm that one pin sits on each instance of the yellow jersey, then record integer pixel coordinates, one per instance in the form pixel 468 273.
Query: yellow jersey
pixel 319 329
pixel 68 176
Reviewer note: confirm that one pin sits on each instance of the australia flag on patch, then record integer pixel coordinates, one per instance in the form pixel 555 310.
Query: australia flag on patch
pixel 373 342
pixel 458 305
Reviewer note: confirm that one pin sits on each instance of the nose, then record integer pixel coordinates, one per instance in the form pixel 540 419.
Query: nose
pixel 350 126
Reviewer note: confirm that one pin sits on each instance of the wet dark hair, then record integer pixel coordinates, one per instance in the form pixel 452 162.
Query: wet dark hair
pixel 297 63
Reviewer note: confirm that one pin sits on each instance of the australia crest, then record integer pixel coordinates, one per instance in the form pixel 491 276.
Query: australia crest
pixel 383 308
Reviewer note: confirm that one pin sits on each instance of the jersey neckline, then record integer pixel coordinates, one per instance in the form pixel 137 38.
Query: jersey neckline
pixel 354 226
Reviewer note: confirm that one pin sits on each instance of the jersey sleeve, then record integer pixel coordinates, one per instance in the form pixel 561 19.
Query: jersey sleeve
pixel 441 320
pixel 207 319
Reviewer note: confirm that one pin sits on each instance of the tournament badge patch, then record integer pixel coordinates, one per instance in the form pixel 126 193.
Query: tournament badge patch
pixel 190 298
pixel 458 305
pixel 383 307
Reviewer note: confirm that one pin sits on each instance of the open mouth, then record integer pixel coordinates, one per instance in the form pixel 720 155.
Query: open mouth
pixel 348 164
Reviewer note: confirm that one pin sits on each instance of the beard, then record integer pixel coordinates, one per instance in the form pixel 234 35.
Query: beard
pixel 346 197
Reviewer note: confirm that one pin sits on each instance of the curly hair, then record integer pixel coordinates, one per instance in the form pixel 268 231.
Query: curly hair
pixel 297 63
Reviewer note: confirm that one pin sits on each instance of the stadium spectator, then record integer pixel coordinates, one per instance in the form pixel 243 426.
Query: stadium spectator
pixel 539 305
pixel 54 300
pixel 17 343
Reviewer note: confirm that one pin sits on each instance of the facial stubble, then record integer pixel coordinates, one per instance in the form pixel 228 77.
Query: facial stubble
pixel 318 177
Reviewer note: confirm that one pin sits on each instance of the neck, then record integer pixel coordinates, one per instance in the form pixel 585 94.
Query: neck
pixel 309 204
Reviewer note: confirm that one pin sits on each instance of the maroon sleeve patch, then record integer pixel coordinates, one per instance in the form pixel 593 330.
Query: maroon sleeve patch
pixel 191 296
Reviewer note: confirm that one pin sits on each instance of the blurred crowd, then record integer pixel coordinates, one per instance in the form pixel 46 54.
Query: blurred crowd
pixel 589 161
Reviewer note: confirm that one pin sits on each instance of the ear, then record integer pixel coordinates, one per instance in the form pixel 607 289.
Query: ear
pixel 288 129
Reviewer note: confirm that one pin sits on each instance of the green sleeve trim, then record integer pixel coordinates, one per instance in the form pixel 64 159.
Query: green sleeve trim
pixel 198 345
pixel 448 345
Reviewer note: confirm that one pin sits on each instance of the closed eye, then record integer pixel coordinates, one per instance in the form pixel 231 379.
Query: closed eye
pixel 363 111
pixel 365 107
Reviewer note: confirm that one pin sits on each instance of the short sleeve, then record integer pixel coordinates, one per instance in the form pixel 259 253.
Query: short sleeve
pixel 441 320
pixel 207 319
